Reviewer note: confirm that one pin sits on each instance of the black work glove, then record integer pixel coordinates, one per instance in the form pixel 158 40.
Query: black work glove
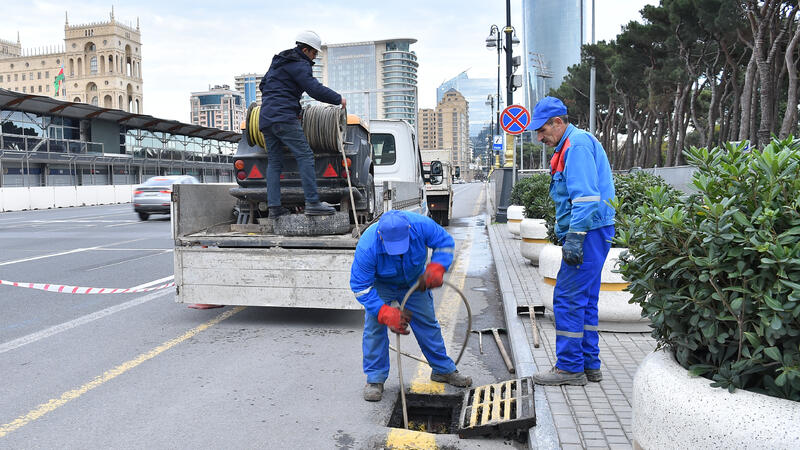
pixel 572 251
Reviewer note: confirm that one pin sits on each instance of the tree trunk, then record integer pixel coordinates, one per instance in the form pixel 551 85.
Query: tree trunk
pixel 692 101
pixel 747 98
pixel 790 116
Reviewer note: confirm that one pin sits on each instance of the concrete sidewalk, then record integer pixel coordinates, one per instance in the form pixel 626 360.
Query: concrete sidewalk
pixel 597 415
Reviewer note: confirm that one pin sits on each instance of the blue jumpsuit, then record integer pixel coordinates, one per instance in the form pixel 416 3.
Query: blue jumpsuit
pixel 581 186
pixel 378 278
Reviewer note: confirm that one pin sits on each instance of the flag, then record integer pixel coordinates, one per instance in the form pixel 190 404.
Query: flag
pixel 59 80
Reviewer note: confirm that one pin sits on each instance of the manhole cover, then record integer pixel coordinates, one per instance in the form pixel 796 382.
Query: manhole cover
pixel 504 408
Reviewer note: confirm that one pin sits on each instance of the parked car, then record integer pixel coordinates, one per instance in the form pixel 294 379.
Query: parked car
pixel 155 195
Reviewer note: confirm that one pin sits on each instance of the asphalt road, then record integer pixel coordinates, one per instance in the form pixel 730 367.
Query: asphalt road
pixel 140 371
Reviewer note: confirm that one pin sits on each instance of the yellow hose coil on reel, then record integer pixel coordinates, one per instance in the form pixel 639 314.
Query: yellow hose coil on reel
pixel 323 125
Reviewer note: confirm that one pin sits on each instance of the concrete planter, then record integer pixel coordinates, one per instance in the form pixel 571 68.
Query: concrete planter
pixel 515 214
pixel 673 410
pixel 534 238
pixel 614 311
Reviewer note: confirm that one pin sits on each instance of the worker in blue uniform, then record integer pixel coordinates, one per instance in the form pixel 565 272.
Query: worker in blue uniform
pixel 581 187
pixel 390 257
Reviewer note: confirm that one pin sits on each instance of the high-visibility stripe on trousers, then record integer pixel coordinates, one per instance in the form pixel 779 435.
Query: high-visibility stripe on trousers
pixel 575 300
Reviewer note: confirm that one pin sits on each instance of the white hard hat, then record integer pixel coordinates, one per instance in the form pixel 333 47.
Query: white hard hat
pixel 309 38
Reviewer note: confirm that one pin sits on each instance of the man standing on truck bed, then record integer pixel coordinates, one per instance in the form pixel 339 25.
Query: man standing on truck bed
pixel 281 87
pixel 390 257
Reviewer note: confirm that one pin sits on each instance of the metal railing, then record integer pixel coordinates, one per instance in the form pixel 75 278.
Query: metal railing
pixel 46 144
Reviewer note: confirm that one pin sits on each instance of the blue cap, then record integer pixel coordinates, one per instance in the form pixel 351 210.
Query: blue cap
pixel 546 108
pixel 393 230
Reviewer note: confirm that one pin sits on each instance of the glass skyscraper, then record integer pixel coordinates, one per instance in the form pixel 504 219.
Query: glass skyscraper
pixel 553 35
pixel 247 84
pixel 475 90
pixel 378 78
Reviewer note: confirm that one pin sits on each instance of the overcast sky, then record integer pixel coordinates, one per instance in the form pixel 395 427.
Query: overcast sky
pixel 189 45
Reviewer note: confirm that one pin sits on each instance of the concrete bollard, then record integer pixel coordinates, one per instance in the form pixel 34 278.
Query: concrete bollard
pixel 534 238
pixel 515 214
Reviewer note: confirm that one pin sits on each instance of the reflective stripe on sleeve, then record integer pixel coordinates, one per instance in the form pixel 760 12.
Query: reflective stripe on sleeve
pixel 569 334
pixel 364 292
pixel 590 198
pixel 444 250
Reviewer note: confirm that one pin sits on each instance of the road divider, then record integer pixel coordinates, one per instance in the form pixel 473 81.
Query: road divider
pixel 65 289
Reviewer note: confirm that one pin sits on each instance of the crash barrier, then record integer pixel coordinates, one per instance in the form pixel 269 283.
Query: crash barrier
pixel 66 289
pixel 323 125
pixel 45 197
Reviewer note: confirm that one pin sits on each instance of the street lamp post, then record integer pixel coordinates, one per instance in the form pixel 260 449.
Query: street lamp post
pixel 494 41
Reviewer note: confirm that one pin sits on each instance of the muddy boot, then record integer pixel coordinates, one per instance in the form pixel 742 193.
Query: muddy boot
pixel 594 375
pixel 558 377
pixel 453 378
pixel 277 211
pixel 373 392
pixel 319 209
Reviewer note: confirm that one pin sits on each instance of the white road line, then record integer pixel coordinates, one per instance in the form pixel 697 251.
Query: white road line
pixel 154 282
pixel 161 252
pixel 68 252
pixel 39 335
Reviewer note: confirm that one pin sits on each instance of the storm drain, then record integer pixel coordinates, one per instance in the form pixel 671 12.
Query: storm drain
pixel 438 414
pixel 504 408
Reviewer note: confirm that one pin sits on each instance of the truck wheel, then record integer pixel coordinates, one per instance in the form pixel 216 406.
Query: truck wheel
pixel 443 220
pixel 143 216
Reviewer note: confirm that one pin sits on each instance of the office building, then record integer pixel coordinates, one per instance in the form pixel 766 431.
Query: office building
pixel 247 85
pixel 378 78
pixel 552 35
pixel 428 139
pixel 219 107
pixel 475 91
pixel 452 127
pixel 101 63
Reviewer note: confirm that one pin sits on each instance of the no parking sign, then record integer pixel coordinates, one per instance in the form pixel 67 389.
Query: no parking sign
pixel 515 119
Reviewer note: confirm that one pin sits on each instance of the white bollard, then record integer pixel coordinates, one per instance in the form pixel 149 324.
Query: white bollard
pixel 514 215
pixel 534 238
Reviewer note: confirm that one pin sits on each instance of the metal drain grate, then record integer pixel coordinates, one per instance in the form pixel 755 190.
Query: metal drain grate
pixel 501 408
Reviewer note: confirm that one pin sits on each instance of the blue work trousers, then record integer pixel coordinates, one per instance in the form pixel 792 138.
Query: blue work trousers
pixel 575 304
pixel 291 135
pixel 375 344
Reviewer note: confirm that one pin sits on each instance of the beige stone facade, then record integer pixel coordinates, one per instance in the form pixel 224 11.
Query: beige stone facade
pixel 427 129
pixel 102 65
pixel 452 127
pixel 219 107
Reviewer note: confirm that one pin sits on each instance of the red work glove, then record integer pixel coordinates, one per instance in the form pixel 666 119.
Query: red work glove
pixel 433 277
pixel 394 319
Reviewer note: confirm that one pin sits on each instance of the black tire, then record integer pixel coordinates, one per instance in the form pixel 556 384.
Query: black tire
pixel 143 216
pixel 445 221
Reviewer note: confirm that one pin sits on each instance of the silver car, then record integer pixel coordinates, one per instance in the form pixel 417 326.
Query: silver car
pixel 155 195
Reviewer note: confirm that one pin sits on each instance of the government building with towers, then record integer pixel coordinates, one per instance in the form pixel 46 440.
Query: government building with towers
pixel 102 64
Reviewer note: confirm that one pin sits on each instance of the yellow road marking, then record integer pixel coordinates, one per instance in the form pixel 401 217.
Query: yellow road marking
pixel 407 439
pixel 447 312
pixel 55 403
pixel 603 286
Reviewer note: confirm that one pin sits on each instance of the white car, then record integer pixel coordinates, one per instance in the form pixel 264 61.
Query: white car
pixel 155 195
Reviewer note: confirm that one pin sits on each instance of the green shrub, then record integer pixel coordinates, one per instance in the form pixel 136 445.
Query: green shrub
pixel 631 192
pixel 718 272
pixel 533 193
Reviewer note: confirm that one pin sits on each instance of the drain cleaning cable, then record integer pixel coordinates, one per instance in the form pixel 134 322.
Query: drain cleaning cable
pixel 399 353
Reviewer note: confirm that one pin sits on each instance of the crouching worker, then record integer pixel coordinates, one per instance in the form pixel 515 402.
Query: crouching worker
pixel 390 257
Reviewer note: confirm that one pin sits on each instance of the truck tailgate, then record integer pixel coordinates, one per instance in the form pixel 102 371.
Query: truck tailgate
pixel 275 276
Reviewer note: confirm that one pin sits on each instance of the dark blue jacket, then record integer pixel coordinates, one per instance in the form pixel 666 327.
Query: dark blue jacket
pixel 581 184
pixel 288 77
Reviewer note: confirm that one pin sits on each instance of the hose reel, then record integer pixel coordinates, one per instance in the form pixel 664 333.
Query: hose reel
pixel 323 125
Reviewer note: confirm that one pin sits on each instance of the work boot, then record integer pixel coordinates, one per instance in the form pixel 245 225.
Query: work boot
pixel 319 209
pixel 558 377
pixel 277 211
pixel 594 375
pixel 373 392
pixel 453 378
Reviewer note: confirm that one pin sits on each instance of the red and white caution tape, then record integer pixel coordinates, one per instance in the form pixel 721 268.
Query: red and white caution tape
pixel 64 289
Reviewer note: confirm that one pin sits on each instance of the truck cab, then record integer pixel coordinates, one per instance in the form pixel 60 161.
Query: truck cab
pixel 398 165
pixel 438 173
